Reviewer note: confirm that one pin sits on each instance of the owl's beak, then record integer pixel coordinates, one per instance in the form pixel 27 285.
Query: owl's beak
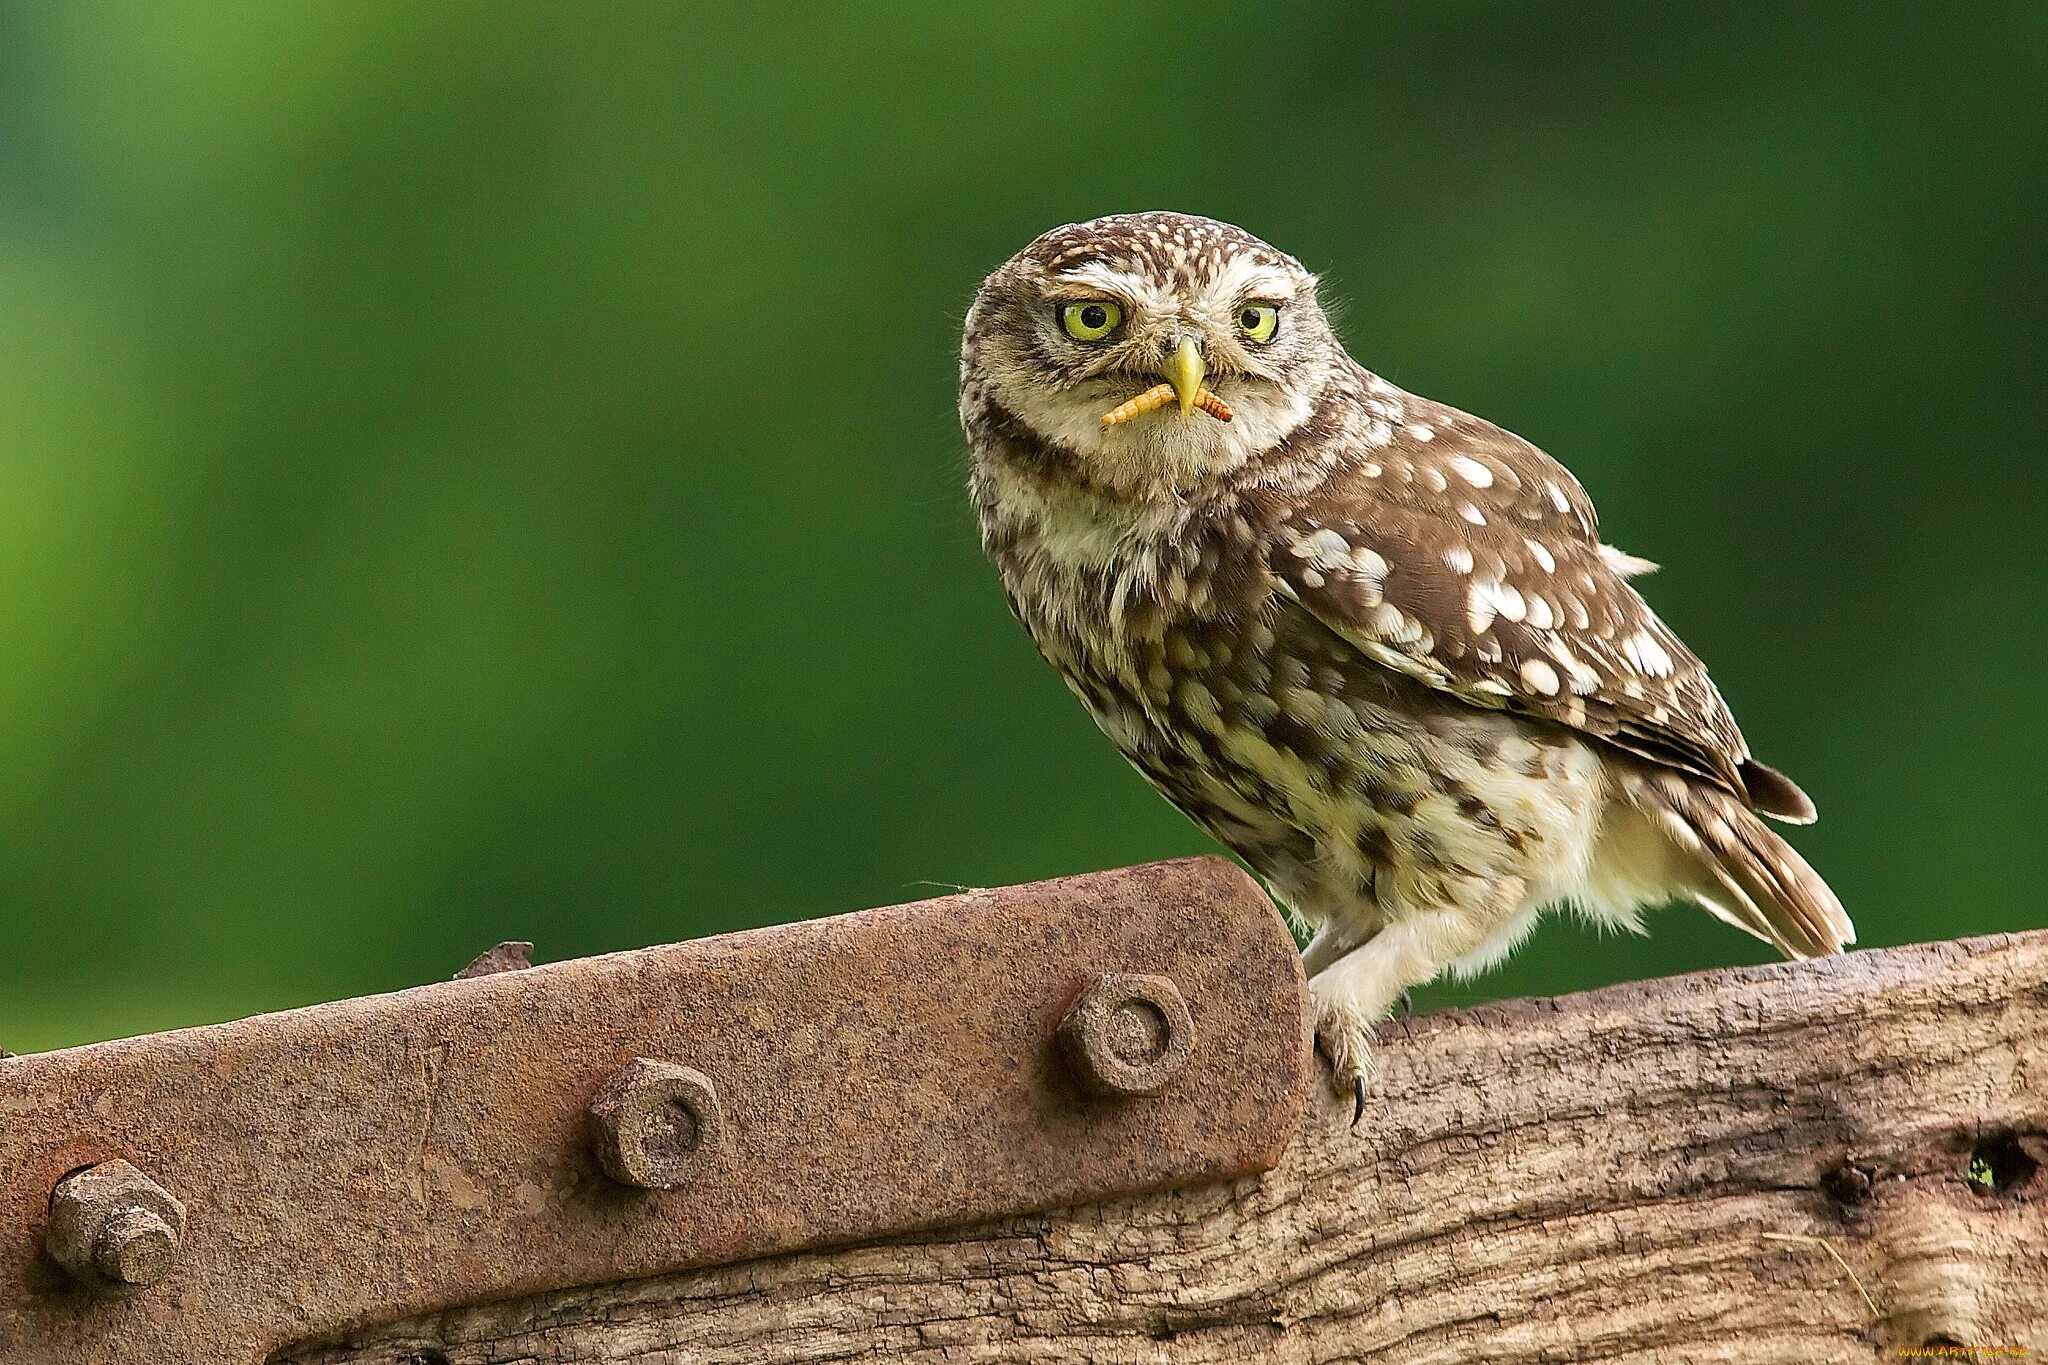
pixel 1185 371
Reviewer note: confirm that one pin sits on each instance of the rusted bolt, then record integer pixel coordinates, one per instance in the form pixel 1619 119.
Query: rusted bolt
pixel 116 1230
pixel 1127 1034
pixel 655 1124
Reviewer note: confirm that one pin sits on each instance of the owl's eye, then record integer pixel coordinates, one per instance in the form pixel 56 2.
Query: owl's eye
pixel 1258 321
pixel 1091 319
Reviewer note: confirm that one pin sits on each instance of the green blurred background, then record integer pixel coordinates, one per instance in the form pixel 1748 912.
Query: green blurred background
pixel 489 471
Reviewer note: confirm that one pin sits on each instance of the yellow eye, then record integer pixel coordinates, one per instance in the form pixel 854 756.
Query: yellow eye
pixel 1091 319
pixel 1258 321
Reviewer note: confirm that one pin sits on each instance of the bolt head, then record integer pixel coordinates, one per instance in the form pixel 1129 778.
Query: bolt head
pixel 136 1248
pixel 1127 1034
pixel 114 1229
pixel 655 1125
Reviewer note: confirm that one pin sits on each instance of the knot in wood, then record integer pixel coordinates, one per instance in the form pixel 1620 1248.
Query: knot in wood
pixel 1848 1183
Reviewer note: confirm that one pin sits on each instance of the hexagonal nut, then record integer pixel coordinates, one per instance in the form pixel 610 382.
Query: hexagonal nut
pixel 655 1125
pixel 1127 1034
pixel 114 1229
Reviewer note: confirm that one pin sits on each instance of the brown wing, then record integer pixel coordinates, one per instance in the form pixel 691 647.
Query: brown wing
pixel 1461 555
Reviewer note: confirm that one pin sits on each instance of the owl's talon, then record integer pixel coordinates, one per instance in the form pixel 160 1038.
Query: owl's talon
pixel 1407 1006
pixel 1344 1043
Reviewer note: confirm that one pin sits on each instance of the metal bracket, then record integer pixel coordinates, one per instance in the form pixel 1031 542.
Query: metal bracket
pixel 951 1061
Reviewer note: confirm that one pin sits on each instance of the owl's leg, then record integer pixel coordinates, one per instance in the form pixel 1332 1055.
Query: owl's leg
pixel 1330 944
pixel 1358 990
pixel 1495 947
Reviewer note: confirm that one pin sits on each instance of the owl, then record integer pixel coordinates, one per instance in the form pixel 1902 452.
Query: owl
pixel 1372 644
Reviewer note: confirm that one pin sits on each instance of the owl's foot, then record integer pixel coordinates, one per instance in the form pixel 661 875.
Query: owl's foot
pixel 1353 996
pixel 1346 1039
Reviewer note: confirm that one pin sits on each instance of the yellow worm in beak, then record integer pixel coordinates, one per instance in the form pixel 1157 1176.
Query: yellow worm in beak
pixel 1157 397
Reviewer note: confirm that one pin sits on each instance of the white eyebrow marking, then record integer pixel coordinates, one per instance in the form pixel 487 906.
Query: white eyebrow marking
pixel 1127 284
pixel 1245 278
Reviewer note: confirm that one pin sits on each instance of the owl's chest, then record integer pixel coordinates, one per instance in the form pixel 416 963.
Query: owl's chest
pixel 1142 627
pixel 1237 705
pixel 1156 680
pixel 1179 655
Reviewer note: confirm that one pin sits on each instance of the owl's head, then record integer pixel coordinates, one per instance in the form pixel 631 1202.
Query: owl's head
pixel 1093 315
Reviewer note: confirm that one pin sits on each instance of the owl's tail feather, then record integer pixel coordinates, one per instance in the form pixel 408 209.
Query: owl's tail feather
pixel 1745 873
pixel 1776 795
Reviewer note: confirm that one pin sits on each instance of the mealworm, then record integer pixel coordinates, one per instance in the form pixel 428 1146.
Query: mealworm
pixel 1158 396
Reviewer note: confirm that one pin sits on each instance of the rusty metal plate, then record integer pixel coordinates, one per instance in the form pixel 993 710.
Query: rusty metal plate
pixel 872 1074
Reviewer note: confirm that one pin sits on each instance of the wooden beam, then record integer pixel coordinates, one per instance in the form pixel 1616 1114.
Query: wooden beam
pixel 1827 1161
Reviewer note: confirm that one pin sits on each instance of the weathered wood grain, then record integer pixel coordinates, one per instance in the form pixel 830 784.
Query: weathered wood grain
pixel 1769 1164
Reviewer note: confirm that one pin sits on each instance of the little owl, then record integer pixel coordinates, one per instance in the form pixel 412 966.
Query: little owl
pixel 1371 643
